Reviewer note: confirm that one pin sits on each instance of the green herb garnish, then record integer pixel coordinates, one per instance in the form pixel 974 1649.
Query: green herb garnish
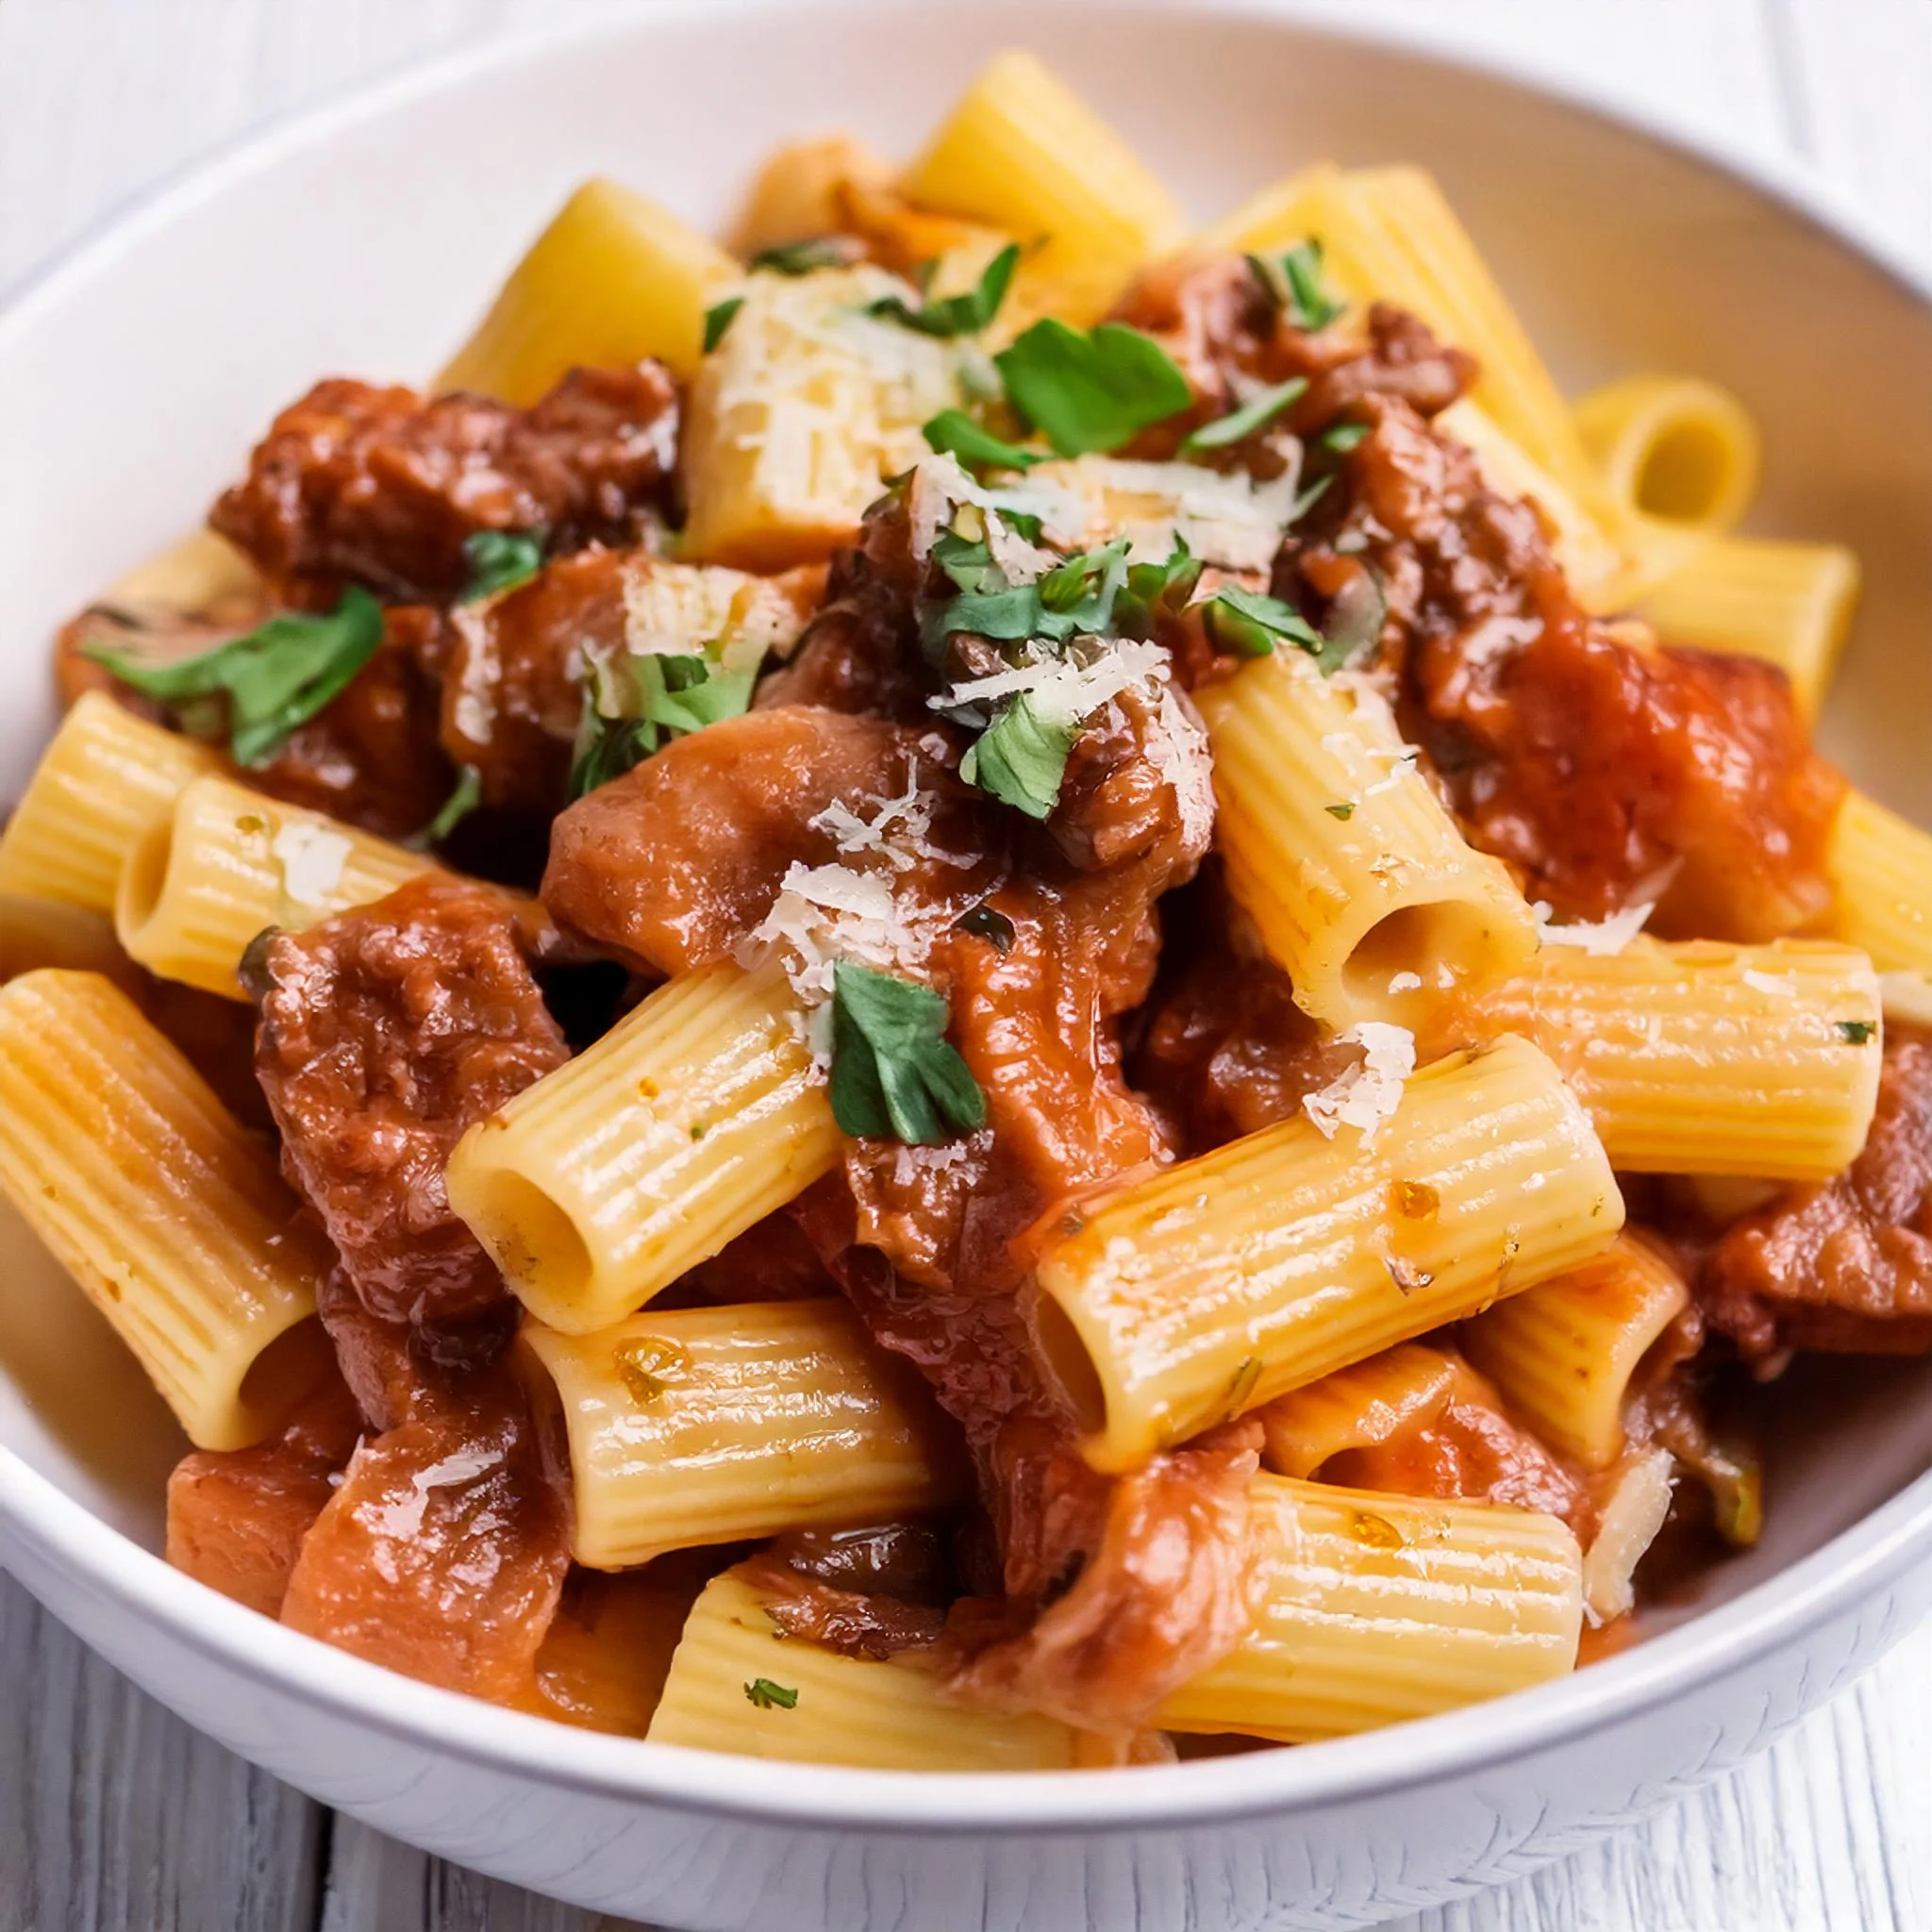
pixel 954 316
pixel 1250 624
pixel 1154 590
pixel 804 257
pixel 767 1695
pixel 1094 391
pixel 1339 811
pixel 1857 1031
pixel 718 318
pixel 1342 437
pixel 675 696
pixel 1256 414
pixel 1294 278
pixel 464 797
pixel 986 922
pixel 1020 757
pixel 894 1072
pixel 500 560
pixel 954 432
pixel 276 678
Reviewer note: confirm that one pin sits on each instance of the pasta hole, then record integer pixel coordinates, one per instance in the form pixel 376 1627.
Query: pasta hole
pixel 1685 472
pixel 1433 946
pixel 142 878
pixel 1069 1365
pixel 286 1371
pixel 532 1239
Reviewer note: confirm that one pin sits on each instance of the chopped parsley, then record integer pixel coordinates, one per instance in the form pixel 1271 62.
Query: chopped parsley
pixel 895 1074
pixel 672 697
pixel 1294 278
pixel 1342 437
pixel 804 257
pixel 1020 757
pixel 1090 390
pixel 718 318
pixel 986 922
pixel 954 316
pixel 1154 590
pixel 1256 414
pixel 1074 598
pixel 464 797
pixel 1339 811
pixel 767 1695
pixel 954 432
pixel 1250 624
pixel 499 560
pixel 1857 1031
pixel 276 678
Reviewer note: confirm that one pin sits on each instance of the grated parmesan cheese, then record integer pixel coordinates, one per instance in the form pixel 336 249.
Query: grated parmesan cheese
pixel 1779 985
pixel 1405 982
pixel 1368 1094
pixel 311 858
pixel 897 831
pixel 1177 748
pixel 683 610
pixel 1602 937
pixel 1225 518
pixel 1062 689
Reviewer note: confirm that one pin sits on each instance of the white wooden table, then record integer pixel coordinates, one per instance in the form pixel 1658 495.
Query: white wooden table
pixel 116 1818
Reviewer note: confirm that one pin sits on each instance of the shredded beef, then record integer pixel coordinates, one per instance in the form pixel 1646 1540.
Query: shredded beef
pixel 382 487
pixel 385 1033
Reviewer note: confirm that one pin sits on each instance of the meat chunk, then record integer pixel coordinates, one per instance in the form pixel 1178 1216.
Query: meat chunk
pixel 382 487
pixel 237 1517
pixel 675 862
pixel 385 1033
pixel 1845 1266
pixel 1606 769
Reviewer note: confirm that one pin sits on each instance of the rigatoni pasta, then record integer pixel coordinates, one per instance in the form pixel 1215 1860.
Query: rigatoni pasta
pixel 1881 876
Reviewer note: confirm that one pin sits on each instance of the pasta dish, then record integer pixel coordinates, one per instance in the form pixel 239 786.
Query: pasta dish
pixel 985 985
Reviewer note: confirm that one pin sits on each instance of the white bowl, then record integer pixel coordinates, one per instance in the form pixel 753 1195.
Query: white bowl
pixel 364 239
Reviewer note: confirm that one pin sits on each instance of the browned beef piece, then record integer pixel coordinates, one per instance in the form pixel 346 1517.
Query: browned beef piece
pixel 382 487
pixel 385 1033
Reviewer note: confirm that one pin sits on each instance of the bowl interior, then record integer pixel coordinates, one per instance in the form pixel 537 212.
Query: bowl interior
pixel 366 240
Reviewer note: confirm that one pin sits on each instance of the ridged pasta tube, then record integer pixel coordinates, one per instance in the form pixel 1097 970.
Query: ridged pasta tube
pixel 1674 447
pixel 170 1214
pixel 1881 875
pixel 228 862
pixel 1355 1407
pixel 1358 880
pixel 694 1116
pixel 1563 1354
pixel 107 781
pixel 1173 1301
pixel 707 1426
pixel 614 279
pixel 1701 1057
pixel 738 1684
pixel 1377 1609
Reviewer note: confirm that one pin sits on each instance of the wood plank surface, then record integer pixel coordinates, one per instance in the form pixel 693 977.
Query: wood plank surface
pixel 116 1818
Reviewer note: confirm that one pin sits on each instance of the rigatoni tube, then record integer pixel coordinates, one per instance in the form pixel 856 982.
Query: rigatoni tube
pixel 1357 878
pixel 1564 1354
pixel 1881 876
pixel 1201 1290
pixel 707 1426
pixel 1377 1609
pixel 168 1212
pixel 694 1116
pixel 228 862
pixel 108 780
pixel 739 1684
pixel 1700 1058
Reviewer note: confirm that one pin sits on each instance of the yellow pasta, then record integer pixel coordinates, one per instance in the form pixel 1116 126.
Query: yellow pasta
pixel 1906 998
pixel 1673 448
pixel 1677 1049
pixel 1790 604
pixel 1564 1354
pixel 1881 875
pixel 1355 1407
pixel 50 932
pixel 168 1213
pixel 614 279
pixel 1173 1301
pixel 1342 855
pixel 228 863
pixel 708 1425
pixel 738 1684
pixel 1377 1609
pixel 694 1116
pixel 1023 153
pixel 105 782
pixel 803 408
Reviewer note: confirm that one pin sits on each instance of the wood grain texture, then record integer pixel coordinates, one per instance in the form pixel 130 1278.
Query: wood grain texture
pixel 116 1818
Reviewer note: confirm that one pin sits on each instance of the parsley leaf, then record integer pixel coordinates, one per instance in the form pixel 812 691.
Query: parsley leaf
pixel 1339 811
pixel 500 560
pixel 954 316
pixel 802 257
pixel 718 318
pixel 1294 280
pixel 1020 757
pixel 1156 590
pixel 1091 392
pixel 1355 617
pixel 674 696
pixel 466 795
pixel 1250 624
pixel 1857 1031
pixel 277 676
pixel 1256 414
pixel 1342 437
pixel 954 432
pixel 1078 595
pixel 895 1074
pixel 767 1695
